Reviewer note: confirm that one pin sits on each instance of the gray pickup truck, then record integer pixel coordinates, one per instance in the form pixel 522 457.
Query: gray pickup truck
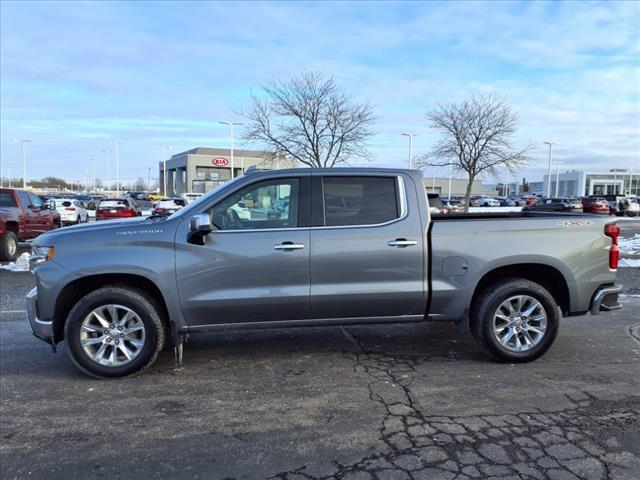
pixel 311 247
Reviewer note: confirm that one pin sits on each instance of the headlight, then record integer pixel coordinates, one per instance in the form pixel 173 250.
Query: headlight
pixel 42 254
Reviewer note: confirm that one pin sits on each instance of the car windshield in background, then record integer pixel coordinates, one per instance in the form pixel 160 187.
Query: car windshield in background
pixel 113 203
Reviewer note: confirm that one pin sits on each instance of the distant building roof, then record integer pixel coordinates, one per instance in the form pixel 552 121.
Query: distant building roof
pixel 225 151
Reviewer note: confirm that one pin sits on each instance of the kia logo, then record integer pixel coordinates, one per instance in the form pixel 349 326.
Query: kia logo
pixel 220 162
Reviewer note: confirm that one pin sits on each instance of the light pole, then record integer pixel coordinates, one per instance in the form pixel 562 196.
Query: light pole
pixel 551 144
pixel 450 175
pixel 231 125
pixel 115 143
pixel 164 165
pixel 106 154
pixel 22 142
pixel 410 135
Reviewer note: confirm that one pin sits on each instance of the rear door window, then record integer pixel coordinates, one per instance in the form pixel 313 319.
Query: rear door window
pixel 7 200
pixel 359 200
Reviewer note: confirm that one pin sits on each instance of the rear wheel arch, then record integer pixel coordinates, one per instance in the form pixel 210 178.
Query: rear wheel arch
pixel 545 275
pixel 77 289
pixel 12 226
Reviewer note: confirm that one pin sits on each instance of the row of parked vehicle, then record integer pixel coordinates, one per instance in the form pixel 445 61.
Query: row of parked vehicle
pixel 607 204
pixel 25 215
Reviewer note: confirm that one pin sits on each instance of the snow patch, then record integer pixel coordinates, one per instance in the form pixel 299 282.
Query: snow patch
pixel 20 265
pixel 630 246
pixel 629 262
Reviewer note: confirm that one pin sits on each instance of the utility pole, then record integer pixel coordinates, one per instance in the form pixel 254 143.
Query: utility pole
pixel 115 143
pixel 551 144
pixel 410 135
pixel 22 143
pixel 93 169
pixel 450 175
pixel 106 153
pixel 149 180
pixel 166 149
pixel 233 166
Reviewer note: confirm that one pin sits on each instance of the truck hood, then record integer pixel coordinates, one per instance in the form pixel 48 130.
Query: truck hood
pixel 97 231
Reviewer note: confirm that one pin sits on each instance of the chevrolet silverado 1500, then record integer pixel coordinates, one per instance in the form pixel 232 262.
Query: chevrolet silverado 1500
pixel 311 247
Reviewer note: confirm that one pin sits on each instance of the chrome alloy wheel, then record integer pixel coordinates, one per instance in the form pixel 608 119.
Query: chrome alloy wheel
pixel 12 246
pixel 112 335
pixel 519 323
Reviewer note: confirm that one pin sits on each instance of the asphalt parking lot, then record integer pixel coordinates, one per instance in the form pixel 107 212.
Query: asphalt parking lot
pixel 401 402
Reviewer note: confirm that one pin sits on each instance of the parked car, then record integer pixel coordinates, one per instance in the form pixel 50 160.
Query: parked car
pixel 633 210
pixel 111 208
pixel 487 202
pixel 167 207
pixel 435 204
pixel 550 205
pixel 506 201
pixel 454 205
pixel 23 216
pixel 575 204
pixel 191 197
pixel 71 211
pixel 114 291
pixel 595 205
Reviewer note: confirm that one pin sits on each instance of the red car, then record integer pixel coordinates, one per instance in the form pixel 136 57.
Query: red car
pixel 23 215
pixel 116 208
pixel 595 205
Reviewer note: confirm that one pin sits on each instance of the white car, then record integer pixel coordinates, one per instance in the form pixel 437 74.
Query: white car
pixel 167 207
pixel 71 211
pixel 488 202
pixel 634 208
pixel 191 197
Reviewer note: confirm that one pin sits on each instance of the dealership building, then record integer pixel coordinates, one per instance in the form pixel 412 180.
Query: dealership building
pixel 201 169
pixel 440 185
pixel 577 184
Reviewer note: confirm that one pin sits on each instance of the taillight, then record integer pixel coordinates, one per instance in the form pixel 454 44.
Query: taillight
pixel 129 212
pixel 613 231
pixel 70 209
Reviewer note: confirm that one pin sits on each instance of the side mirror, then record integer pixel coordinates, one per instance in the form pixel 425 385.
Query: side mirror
pixel 199 228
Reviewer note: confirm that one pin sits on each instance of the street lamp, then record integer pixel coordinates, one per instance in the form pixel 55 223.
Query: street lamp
pixel 164 165
pixel 231 125
pixel 410 135
pixel 107 153
pixel 115 143
pixel 551 144
pixel 22 143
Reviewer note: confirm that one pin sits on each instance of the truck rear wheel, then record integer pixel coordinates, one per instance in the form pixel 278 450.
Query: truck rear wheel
pixel 8 246
pixel 515 320
pixel 114 332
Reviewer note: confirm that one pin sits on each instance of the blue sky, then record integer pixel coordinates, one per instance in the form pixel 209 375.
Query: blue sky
pixel 75 76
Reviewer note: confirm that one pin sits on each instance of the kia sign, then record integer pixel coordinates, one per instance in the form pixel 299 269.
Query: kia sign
pixel 220 162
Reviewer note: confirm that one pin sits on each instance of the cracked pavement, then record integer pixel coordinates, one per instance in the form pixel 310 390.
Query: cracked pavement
pixel 396 402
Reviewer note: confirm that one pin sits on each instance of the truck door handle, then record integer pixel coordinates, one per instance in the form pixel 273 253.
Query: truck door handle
pixel 401 242
pixel 288 246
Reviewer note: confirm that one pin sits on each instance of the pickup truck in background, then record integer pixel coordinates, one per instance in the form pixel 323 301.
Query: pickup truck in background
pixel 23 216
pixel 316 247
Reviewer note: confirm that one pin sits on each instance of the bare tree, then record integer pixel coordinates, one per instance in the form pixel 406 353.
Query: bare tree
pixel 475 138
pixel 311 120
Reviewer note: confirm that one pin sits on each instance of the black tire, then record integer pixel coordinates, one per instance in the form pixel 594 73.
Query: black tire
pixel 486 306
pixel 8 246
pixel 147 309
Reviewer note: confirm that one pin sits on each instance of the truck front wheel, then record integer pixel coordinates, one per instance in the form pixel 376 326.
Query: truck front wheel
pixel 515 320
pixel 114 332
pixel 8 246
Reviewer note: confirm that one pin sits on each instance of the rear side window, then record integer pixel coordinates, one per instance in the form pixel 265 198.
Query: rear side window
pixel 7 200
pixel 359 200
